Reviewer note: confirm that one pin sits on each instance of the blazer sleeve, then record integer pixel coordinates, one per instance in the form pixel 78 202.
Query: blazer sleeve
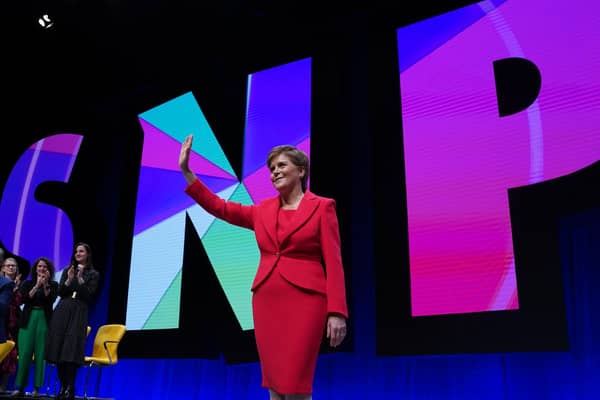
pixel 40 295
pixel 87 291
pixel 25 288
pixel 53 293
pixel 63 289
pixel 230 211
pixel 332 258
pixel 6 290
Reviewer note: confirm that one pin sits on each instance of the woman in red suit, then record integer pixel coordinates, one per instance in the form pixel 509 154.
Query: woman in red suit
pixel 299 291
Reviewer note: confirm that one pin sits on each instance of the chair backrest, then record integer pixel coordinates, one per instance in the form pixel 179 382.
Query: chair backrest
pixel 107 342
pixel 5 348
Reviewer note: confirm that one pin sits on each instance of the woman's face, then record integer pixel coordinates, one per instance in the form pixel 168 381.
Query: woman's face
pixel 42 268
pixel 285 175
pixel 10 269
pixel 81 254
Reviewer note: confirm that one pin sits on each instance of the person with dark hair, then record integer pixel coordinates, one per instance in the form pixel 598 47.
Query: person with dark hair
pixel 10 316
pixel 67 333
pixel 38 295
pixel 299 289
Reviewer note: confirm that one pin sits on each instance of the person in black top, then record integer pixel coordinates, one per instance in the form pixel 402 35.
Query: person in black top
pixel 38 295
pixel 65 345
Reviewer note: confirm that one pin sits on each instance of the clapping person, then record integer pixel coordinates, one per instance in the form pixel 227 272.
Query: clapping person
pixel 67 334
pixel 38 295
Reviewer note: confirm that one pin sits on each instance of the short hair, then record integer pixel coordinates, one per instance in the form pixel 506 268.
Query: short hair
pixel 297 156
pixel 14 259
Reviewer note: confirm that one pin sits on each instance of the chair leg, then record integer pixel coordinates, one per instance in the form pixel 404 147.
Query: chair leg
pixel 87 379
pixel 85 385
pixel 98 377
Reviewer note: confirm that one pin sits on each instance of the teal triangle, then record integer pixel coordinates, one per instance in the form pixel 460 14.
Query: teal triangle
pixel 181 117
pixel 166 313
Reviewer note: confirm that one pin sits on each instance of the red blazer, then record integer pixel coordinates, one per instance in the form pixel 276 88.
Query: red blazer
pixel 309 254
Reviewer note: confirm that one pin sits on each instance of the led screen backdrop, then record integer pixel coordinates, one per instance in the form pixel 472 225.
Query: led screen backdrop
pixel 463 158
pixel 278 112
pixel 31 228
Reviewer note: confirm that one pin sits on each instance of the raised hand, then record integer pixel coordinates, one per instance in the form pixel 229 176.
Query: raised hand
pixel 71 273
pixel 184 155
pixel 41 279
pixel 80 271
pixel 184 160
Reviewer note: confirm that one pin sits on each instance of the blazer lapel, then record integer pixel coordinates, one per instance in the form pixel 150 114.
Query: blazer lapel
pixel 271 210
pixel 306 209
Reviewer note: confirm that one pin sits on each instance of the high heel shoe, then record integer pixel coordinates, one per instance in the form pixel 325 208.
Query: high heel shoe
pixel 69 393
pixel 61 393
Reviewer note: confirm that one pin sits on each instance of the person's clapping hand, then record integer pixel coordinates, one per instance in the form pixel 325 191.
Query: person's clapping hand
pixel 42 278
pixel 71 273
pixel 80 268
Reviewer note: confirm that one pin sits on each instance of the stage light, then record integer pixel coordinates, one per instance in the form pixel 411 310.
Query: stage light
pixel 45 21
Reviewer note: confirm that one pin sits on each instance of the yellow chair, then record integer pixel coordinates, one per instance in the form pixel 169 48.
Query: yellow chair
pixel 6 348
pixel 104 353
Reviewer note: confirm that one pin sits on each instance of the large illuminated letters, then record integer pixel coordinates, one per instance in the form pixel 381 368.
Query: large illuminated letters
pixel 31 228
pixel 278 113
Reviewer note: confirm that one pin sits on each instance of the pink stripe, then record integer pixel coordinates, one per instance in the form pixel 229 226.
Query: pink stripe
pixel 25 195
pixel 67 143
pixel 161 151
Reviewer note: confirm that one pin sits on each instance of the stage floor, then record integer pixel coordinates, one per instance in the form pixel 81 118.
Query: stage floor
pixel 43 396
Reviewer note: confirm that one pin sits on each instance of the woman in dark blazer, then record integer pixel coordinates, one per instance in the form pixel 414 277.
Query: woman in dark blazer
pixel 299 290
pixel 37 295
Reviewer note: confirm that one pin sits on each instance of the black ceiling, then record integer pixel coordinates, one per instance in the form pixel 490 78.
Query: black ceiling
pixel 107 48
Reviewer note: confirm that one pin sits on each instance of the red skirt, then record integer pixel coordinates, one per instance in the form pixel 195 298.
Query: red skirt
pixel 289 324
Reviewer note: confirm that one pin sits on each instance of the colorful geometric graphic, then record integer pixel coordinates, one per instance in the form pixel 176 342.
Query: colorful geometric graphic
pixel 278 112
pixel 29 228
pixel 461 157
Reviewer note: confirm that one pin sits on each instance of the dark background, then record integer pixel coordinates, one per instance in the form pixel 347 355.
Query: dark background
pixel 106 61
